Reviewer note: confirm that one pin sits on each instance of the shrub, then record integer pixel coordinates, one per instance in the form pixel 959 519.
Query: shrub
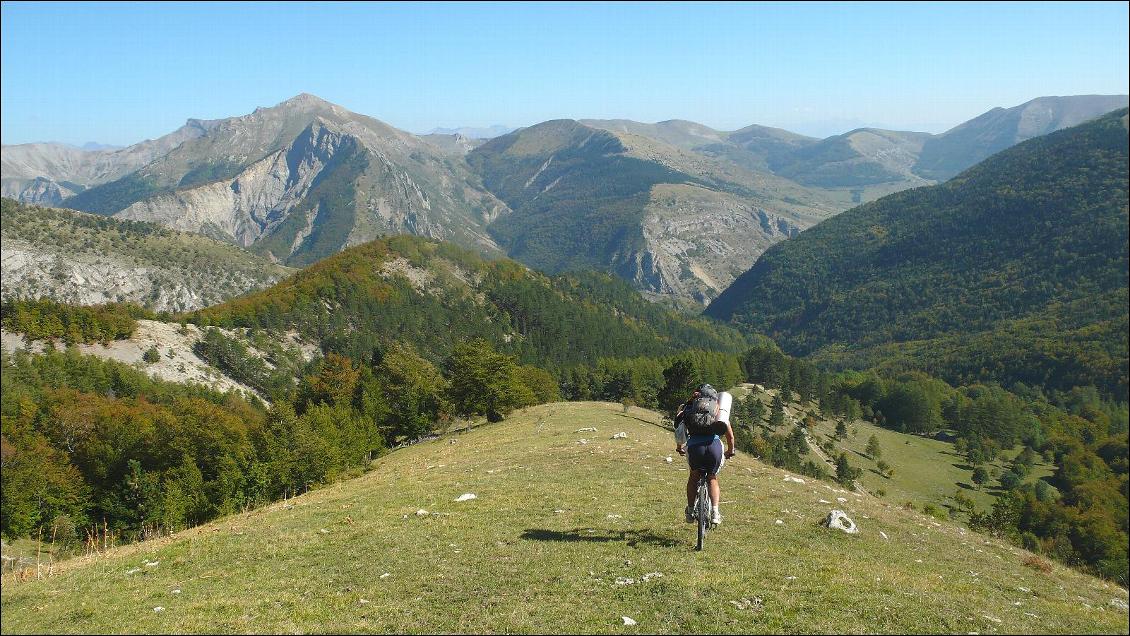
pixel 151 355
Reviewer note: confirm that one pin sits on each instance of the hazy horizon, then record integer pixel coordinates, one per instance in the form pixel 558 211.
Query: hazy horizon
pixel 117 74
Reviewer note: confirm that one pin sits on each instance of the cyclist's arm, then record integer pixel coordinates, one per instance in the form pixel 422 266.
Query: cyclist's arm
pixel 680 432
pixel 729 440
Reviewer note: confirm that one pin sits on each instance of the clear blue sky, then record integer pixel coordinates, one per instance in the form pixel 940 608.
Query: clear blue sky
pixel 120 73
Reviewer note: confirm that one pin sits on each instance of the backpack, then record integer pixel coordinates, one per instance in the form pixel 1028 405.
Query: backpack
pixel 699 415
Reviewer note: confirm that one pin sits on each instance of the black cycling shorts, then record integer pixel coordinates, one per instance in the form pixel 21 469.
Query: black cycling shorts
pixel 706 457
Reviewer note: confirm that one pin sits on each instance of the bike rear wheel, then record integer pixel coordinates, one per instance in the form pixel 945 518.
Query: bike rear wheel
pixel 702 511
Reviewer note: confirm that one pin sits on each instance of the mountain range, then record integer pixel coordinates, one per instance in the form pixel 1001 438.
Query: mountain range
pixel 676 208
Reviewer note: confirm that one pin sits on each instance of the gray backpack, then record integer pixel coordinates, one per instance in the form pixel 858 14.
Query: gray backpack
pixel 699 415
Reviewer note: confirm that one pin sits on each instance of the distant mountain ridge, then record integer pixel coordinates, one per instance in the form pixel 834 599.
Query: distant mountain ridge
pixel 472 132
pixel 306 178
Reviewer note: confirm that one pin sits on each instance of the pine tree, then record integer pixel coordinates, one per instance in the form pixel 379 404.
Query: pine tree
pixel 873 451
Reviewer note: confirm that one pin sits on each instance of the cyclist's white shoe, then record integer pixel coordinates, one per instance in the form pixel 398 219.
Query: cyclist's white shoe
pixel 716 517
pixel 689 512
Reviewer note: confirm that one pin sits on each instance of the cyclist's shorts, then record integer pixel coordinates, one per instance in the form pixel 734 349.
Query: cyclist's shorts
pixel 705 457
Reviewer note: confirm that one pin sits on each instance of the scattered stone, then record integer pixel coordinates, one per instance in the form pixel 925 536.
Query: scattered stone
pixel 1025 590
pixel 883 534
pixel 668 459
pixel 587 429
pixel 825 501
pixel 466 496
pixel 177 591
pixel 790 578
pixel 754 604
pixel 779 522
pixel 651 575
pixel 796 480
pixel 158 609
pixel 995 620
pixel 628 622
pixel 582 441
pixel 622 580
pixel 363 602
pixel 841 500
pixel 620 435
pixel 385 575
pixel 614 516
pixel 133 571
pixel 837 520
pixel 323 531
pixel 559 511
pixel 1120 604
pixel 152 564
pixel 421 513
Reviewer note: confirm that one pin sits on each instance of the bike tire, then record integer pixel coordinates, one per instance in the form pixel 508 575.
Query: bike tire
pixel 703 510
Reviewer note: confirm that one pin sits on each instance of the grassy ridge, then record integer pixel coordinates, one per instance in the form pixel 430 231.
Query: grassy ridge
pixel 555 526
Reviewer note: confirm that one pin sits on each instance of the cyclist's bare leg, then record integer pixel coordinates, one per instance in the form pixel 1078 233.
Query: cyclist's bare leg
pixel 715 491
pixel 692 487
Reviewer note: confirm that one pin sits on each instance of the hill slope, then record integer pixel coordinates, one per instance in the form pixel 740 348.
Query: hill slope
pixel 433 295
pixel 1014 270
pixel 556 521
pixel 80 258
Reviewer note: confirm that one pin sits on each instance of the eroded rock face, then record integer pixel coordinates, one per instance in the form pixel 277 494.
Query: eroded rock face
pixel 242 209
pixel 699 241
pixel 30 271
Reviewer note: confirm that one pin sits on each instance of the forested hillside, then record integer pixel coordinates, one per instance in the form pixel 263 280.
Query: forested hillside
pixel 433 295
pixel 1015 270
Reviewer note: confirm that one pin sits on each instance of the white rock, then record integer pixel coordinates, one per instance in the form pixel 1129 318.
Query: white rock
pixel 152 564
pixel 837 520
pixel 466 496
pixel 620 435
pixel 363 601
pixel 385 575
pixel 825 501
pixel 797 480
pixel 1120 604
pixel 158 609
pixel 133 571
pixel 421 513
pixel 621 580
pixel 668 459
pixel 587 429
pixel 883 534
pixel 651 575
pixel 779 522
pixel 614 516
pixel 176 591
pixel 841 500
pixel 628 622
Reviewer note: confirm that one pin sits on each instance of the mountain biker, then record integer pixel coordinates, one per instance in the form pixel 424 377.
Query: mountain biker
pixel 702 447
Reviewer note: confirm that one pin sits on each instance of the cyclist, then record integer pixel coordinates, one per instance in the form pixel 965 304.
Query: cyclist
pixel 696 437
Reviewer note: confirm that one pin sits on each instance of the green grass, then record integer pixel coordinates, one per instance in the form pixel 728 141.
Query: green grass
pixel 926 470
pixel 555 525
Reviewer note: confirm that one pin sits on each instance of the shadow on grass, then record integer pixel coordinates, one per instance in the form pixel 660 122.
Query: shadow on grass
pixel 633 417
pixel 630 537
